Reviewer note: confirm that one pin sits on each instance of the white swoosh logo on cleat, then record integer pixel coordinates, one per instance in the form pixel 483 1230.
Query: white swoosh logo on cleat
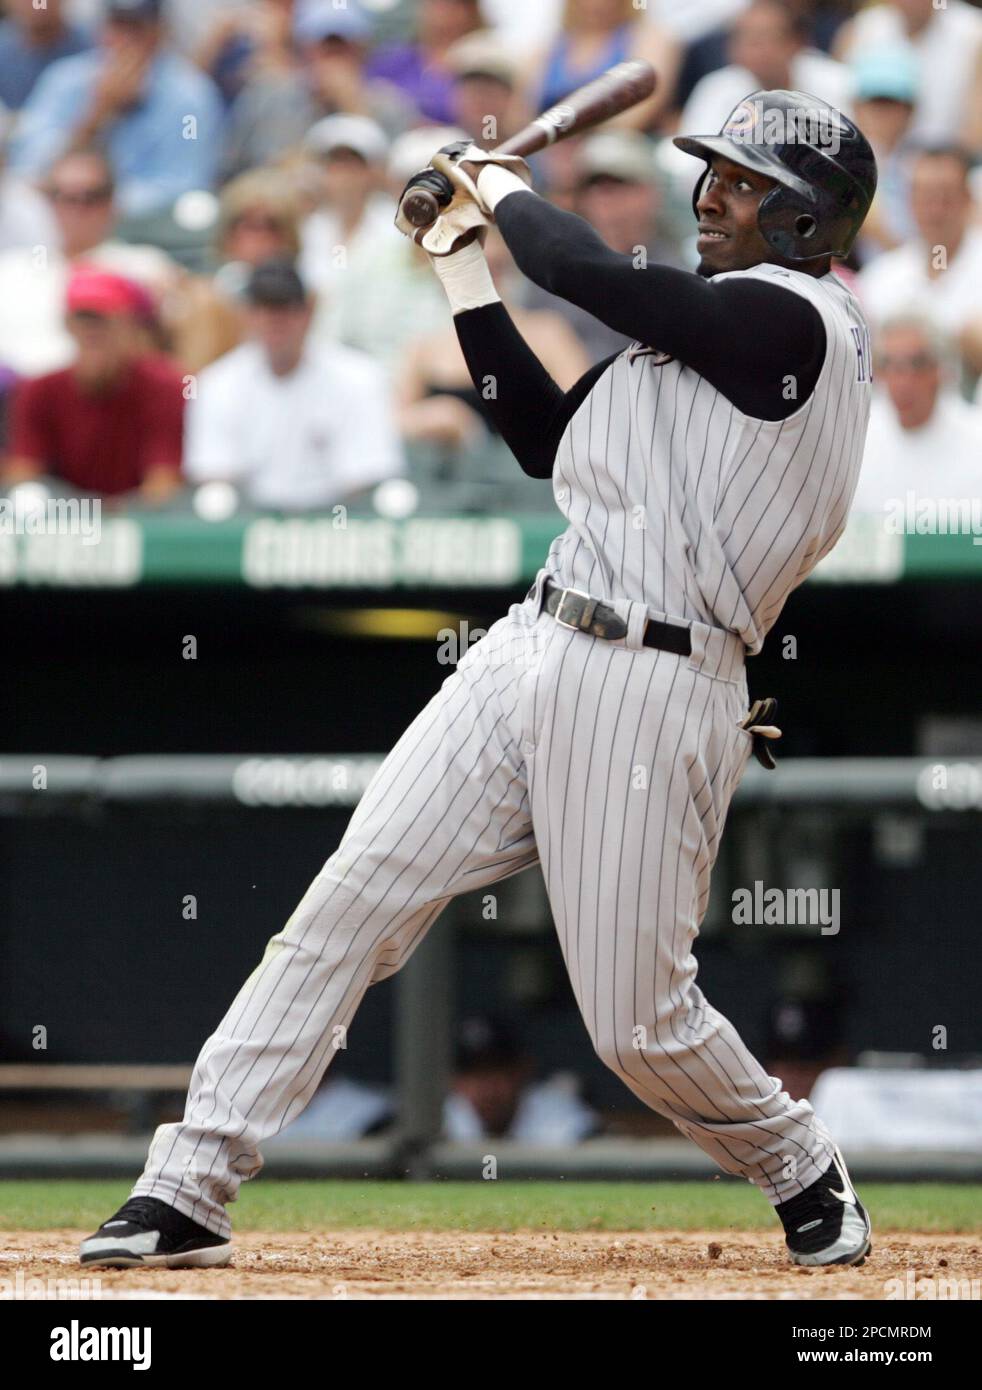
pixel 848 1195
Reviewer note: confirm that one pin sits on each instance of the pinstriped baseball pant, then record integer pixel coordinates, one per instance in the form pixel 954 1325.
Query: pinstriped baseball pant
pixel 613 765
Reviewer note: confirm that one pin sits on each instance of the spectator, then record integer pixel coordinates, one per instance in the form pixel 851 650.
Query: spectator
pixel 886 93
pixel 275 108
pixel 159 117
pixel 493 1094
pixel 704 26
pixel 79 190
pixel 596 34
pixel 25 218
pixel 296 426
pixel 244 40
pixel 617 190
pixel 946 40
pixel 382 306
pixel 111 422
pixel 259 219
pixel 353 218
pixel 939 270
pixel 437 400
pixel 521 26
pixel 923 438
pixel 31 38
pixel 768 49
pixel 484 76
pixel 418 70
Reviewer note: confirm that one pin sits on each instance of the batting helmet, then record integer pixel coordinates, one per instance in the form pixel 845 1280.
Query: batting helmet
pixel 823 164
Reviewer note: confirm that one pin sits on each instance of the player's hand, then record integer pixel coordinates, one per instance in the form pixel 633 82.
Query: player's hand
pixel 469 159
pixel 462 220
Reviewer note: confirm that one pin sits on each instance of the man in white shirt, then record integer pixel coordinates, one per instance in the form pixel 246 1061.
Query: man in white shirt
pixel 79 195
pixel 924 441
pixel 768 51
pixel 946 39
pixel 938 272
pixel 295 426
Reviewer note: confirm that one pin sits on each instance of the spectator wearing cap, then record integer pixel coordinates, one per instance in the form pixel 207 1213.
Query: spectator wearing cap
pixel 769 48
pixel 110 424
pixel 886 93
pixel 157 115
pixel 259 215
pixel 275 109
pixel 436 399
pixel 32 37
pixel 946 42
pixel 80 194
pixel 494 1094
pixel 596 34
pixel 617 188
pixel 938 271
pixel 380 305
pixel 353 216
pixel 297 426
pixel 418 70
pixel 922 438
pixel 484 75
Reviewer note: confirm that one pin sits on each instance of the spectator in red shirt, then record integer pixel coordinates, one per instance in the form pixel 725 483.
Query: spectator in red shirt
pixel 111 423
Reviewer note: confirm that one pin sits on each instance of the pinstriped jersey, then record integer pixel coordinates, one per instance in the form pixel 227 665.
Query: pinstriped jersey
pixel 677 499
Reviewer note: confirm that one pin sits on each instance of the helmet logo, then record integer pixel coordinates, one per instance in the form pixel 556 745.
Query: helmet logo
pixel 743 120
pixel 754 122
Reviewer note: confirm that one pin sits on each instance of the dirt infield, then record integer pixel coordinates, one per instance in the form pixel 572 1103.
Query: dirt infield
pixel 465 1265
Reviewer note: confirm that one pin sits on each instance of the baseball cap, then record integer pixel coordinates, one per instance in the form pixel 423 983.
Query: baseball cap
pixel 886 73
pixel 275 284
pixel 625 155
pixel 341 132
pixel 483 1042
pixel 95 291
pixel 481 54
pixel 413 150
pixel 314 20
pixel 149 11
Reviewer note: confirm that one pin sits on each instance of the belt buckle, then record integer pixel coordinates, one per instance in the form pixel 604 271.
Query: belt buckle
pixel 563 622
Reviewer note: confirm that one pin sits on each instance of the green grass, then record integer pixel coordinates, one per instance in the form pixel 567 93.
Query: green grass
pixel 497 1206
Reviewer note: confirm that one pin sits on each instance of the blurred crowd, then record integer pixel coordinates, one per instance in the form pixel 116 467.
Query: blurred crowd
pixel 200 281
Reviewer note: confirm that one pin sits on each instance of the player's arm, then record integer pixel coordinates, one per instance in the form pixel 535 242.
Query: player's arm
pixel 529 409
pixel 702 323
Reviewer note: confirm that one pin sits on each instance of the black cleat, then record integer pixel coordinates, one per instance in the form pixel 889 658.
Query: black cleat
pixel 146 1231
pixel 827 1224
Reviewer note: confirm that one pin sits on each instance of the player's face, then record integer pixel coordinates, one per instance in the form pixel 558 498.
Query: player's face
pixel 729 238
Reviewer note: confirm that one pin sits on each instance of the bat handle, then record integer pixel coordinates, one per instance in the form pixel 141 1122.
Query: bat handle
pixel 420 207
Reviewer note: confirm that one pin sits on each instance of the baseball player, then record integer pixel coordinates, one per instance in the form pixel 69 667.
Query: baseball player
pixel 602 726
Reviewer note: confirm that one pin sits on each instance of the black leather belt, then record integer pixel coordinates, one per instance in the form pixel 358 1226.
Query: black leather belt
pixel 574 609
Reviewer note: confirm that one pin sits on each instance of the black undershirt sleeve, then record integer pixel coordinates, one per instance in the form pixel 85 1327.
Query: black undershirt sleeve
pixel 760 345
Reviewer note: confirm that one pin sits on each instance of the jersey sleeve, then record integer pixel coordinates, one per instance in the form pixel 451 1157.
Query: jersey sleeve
pixel 529 410
pixel 713 326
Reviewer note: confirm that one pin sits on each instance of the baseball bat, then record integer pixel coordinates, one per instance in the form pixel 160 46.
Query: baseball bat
pixel 620 87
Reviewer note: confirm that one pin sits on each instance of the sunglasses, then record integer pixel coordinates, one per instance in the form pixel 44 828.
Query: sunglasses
pixel 255 222
pixel 917 362
pixel 80 197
